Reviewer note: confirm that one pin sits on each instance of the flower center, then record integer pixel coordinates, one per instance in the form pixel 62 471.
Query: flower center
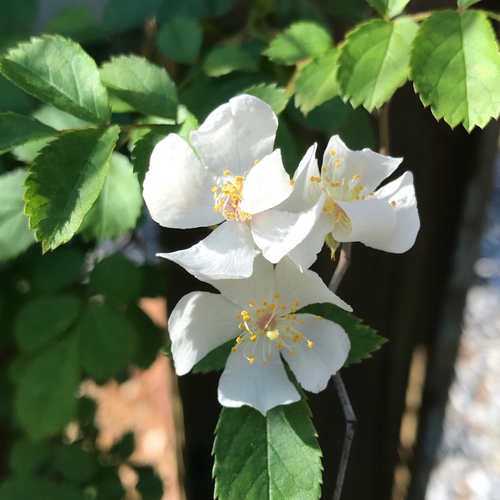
pixel 269 325
pixel 228 199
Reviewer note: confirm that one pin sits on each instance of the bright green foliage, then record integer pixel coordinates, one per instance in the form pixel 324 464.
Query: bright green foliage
pixel 43 319
pixel 223 60
pixel 76 23
pixel 272 94
pixel 122 15
pixel 389 8
pixel 180 40
pixel 59 72
pixel 117 279
pixel 267 458
pixel 65 180
pixel 215 359
pixel 15 236
pixel 373 62
pixel 46 400
pixel 106 340
pixel 150 485
pixel 298 42
pixel 455 67
pixel 57 270
pixel 119 205
pixel 75 464
pixel 364 340
pixel 17 129
pixel 466 3
pixel 316 82
pixel 146 87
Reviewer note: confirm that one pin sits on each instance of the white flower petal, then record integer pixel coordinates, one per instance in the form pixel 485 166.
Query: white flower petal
pixel 313 366
pixel 199 323
pixel 227 253
pixel 177 189
pixel 372 167
pixel 370 219
pixel 235 135
pixel 276 233
pixel 266 185
pixel 305 288
pixel 302 197
pixel 259 287
pixel 305 254
pixel 261 386
pixel 403 235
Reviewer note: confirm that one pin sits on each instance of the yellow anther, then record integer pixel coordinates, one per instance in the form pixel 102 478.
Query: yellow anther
pixel 241 326
pixel 362 197
pixel 361 188
pixel 279 345
pixel 288 317
pixel 277 296
pixel 292 182
pixel 293 353
pixel 253 337
pixel 294 318
pixel 272 306
pixel 357 176
pixel 234 349
pixel 324 209
pixel 252 303
pixel 270 356
pixel 343 180
pixel 264 362
pixel 238 340
pixel 287 328
pixel 301 322
pixel 216 209
pixel 239 179
pixel 310 344
pixel 283 307
pixel 238 316
pixel 320 318
pixel 371 194
pixel 264 302
pixel 318 179
pixel 293 323
pixel 393 203
pixel 323 169
pixel 296 303
pixel 255 162
pixel 301 335
pixel 292 309
pixel 251 359
pixel 261 333
pixel 332 152
pixel 273 334
pixel 312 178
pixel 282 337
pixel 244 313
pixel 357 197
pixel 247 318
pixel 214 189
pixel 226 172
pixel 337 184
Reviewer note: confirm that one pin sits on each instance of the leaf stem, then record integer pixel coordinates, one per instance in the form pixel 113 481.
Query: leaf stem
pixel 419 16
pixel 127 128
pixel 383 129
pixel 492 15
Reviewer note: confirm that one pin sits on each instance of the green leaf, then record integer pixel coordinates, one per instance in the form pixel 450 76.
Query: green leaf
pixel 364 340
pixel 18 129
pixel 119 205
pixel 272 94
pixel 466 3
pixel 34 488
pixel 76 23
pixel 150 485
pixel 43 319
pixel 455 67
pixel 15 236
pixel 46 401
pixel 267 458
pixel 12 98
pixel 75 464
pixel 122 15
pixel 300 41
pixel 373 62
pixel 215 359
pixel 317 82
pixel 55 271
pixel 107 341
pixel 224 60
pixel 59 72
pixel 110 486
pixel 146 87
pixel 65 180
pixel 18 16
pixel 180 40
pixel 125 447
pixel 117 278
pixel 389 8
pixel 29 458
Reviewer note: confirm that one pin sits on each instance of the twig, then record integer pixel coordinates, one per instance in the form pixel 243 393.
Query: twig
pixel 383 129
pixel 350 427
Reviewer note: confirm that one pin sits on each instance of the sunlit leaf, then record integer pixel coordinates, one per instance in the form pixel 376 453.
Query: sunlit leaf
pixel 389 8
pixel 272 94
pixel 223 60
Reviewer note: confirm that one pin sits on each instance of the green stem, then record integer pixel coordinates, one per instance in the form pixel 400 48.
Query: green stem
pixel 492 15
pixel 419 16
pixel 127 128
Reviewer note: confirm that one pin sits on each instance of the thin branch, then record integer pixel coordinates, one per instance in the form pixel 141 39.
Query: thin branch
pixel 383 129
pixel 342 266
pixel 419 16
pixel 492 15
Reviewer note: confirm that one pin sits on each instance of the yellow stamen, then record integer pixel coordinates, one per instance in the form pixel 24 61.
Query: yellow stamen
pixel 292 182
pixel 270 356
pixel 320 318
pixel 287 328
pixel 241 326
pixel 252 303
pixel 226 172
pixel 272 306
pixel 234 349
pixel 238 316
pixel 273 334
pixel 332 152
pixel 279 345
pixel 238 340
pixel 214 189
pixel 277 296
pixel 247 318
pixel 301 322
pixel 251 359
pixel 264 302
pixel 310 344
pixel 393 203
pixel 283 307
pixel 292 309
pixel 296 304
pixel 293 353
pixel 264 362
pixel 255 162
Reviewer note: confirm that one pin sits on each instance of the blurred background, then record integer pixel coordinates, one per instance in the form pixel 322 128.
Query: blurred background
pixel 427 403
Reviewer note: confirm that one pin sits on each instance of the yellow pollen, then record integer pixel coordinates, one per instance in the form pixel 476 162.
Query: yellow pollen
pixel 312 178
pixel 323 169
pixel 296 304
pixel 251 359
pixel 272 306
pixel 293 323
pixel 371 194
pixel 361 188
pixel 343 180
pixel 252 303
pixel 332 152
pixel 282 337
pixel 393 203
pixel 239 179
pixel 273 334
pixel 293 353
pixel 279 345
pixel 292 182
pixel 357 176
pixel 214 189
pixel 264 302
pixel 270 356
pixel 301 322
pixel 238 316
pixel 287 328
pixel 247 318
pixel 310 344
pixel 292 309
pixel 238 340
pixel 362 197
pixel 318 179
pixel 357 197
pixel 244 313
pixel 301 335
pixel 320 318
pixel 283 307
pixel 277 296
pixel 255 162
pixel 226 172
pixel 264 362
pixel 261 333
pixel 234 349
pixel 324 209
pixel 241 326
pixel 294 318
pixel 288 317
pixel 253 337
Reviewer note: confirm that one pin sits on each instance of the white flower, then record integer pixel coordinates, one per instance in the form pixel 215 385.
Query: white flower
pixel 354 209
pixel 260 313
pixel 237 180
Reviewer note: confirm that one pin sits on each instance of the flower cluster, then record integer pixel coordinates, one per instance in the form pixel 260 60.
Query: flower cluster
pixel 269 231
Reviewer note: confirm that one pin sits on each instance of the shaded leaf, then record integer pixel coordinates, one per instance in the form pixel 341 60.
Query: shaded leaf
pixel 43 319
pixel 125 447
pixel 76 23
pixel 272 94
pixel 122 15
pixel 150 485
pixel 36 67
pixel 46 401
pixel 455 67
pixel 65 180
pixel 119 205
pixel 364 340
pixel 33 488
pixel 27 457
pixel 18 129
pixel 146 87
pixel 107 341
pixel 223 60
pixel 75 464
pixel 267 458
pixel 317 82
pixel 215 359
pixel 373 62
pixel 300 41
pixel 389 8
pixel 466 3
pixel 15 236
pixel 180 40
pixel 18 16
